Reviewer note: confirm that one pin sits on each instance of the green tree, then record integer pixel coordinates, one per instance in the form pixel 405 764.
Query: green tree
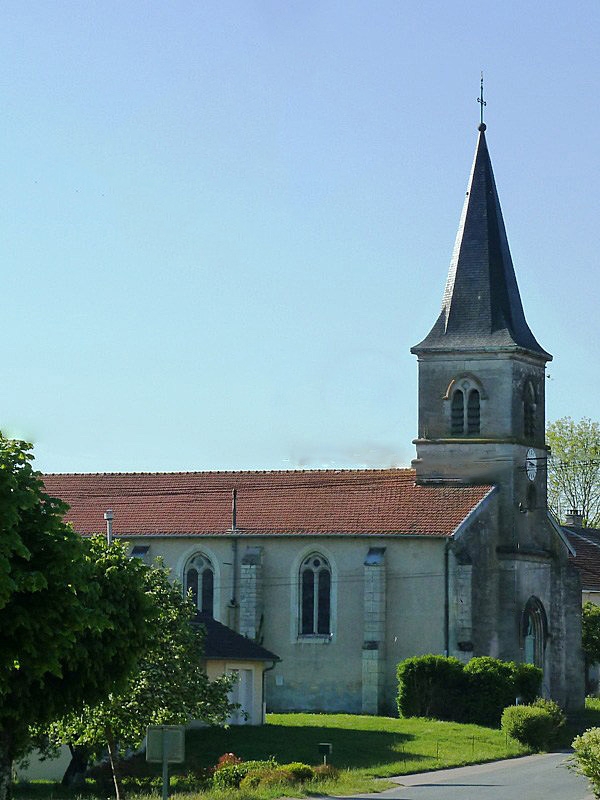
pixel 169 687
pixel 72 611
pixel 574 468
pixel 590 634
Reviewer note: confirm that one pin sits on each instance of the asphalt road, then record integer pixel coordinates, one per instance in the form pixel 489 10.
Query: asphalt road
pixel 541 777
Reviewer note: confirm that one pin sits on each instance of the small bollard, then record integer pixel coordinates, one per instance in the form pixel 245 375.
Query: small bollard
pixel 325 749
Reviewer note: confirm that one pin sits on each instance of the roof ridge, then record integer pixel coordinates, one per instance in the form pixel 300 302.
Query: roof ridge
pixel 317 471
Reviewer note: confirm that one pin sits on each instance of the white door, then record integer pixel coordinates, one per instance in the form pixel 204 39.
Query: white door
pixel 242 694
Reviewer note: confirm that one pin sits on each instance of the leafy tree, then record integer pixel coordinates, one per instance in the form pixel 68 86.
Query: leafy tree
pixel 574 468
pixel 72 611
pixel 590 630
pixel 169 687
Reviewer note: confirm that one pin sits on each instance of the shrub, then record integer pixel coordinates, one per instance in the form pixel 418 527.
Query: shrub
pixel 228 776
pixel 528 682
pixel 531 726
pixel 251 780
pixel 276 777
pixel 440 687
pixel 299 772
pixel 226 759
pixel 430 686
pixel 490 688
pixel 587 756
pixel 326 772
pixel 559 718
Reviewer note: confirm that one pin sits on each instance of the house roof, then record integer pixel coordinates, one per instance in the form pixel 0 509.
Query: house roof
pixel 333 502
pixel 586 543
pixel 481 308
pixel 222 642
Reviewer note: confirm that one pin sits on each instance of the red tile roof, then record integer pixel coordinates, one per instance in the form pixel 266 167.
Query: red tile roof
pixel 586 542
pixel 287 502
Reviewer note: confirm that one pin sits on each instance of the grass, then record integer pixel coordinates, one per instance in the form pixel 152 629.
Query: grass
pixel 364 749
pixel 373 746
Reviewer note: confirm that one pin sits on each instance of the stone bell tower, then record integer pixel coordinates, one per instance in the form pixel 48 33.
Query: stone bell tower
pixel 481 370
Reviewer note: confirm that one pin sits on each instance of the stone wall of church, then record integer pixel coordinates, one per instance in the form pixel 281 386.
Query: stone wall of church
pixel 387 603
pixel 503 582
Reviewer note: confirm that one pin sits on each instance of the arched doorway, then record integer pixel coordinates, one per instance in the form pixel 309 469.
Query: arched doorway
pixel 534 632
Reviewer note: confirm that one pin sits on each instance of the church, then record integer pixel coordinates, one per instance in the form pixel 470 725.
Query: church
pixel 344 573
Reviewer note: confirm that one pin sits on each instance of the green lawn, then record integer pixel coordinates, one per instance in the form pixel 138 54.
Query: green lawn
pixel 374 746
pixel 364 749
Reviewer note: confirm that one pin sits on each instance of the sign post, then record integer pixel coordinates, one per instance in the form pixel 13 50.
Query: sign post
pixel 165 744
pixel 325 749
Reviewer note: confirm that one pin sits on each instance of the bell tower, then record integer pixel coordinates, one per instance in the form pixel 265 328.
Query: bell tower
pixel 481 370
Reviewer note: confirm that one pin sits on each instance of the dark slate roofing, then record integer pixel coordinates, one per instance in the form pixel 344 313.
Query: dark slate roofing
pixel 481 308
pixel 222 642
pixel 586 543
pixel 329 502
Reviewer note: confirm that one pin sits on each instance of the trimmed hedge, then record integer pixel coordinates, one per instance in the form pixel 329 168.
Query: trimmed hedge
pixel 530 725
pixel 430 686
pixel 443 688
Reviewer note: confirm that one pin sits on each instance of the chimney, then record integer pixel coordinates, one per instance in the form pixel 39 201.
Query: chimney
pixel 574 518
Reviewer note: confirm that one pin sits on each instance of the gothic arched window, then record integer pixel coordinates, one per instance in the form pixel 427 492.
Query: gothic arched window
pixel 473 412
pixel 199 580
pixel 465 406
pixel 315 596
pixel 534 630
pixel 458 413
pixel 529 407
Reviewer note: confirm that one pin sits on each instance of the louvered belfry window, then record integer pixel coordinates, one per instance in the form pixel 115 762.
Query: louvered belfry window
pixel 473 412
pixel 458 413
pixel 529 412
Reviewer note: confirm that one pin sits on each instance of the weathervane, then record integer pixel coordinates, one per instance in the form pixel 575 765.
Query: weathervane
pixel 481 101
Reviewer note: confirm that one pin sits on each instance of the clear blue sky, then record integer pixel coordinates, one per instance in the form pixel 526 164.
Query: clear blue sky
pixel 224 224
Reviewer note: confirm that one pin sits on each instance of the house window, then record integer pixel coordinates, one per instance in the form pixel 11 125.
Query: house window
pixel 534 628
pixel 315 596
pixel 465 410
pixel 529 406
pixel 200 582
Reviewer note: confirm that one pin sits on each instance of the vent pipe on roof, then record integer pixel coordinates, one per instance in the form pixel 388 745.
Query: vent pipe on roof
pixel 108 516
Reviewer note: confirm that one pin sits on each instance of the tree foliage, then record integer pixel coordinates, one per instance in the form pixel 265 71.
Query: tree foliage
pixel 590 629
pixel 574 468
pixel 169 687
pixel 73 612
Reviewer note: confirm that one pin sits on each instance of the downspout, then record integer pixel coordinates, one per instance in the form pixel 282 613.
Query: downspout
pixel 446 599
pixel 234 557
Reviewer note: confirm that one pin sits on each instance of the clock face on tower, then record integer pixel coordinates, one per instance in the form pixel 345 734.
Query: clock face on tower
pixel 531 464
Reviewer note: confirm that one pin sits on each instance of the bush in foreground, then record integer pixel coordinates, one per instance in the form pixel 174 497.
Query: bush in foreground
pixel 587 756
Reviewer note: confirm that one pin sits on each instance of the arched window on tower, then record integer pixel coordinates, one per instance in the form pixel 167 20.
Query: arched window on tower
pixel 199 580
pixel 473 412
pixel 465 395
pixel 458 413
pixel 315 596
pixel 529 408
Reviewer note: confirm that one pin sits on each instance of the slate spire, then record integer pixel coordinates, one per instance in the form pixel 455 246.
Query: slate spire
pixel 481 308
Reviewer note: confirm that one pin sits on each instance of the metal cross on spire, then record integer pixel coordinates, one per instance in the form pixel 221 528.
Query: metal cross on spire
pixel 481 101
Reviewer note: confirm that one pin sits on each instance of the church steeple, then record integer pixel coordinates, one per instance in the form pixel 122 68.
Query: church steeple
pixel 481 370
pixel 481 308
